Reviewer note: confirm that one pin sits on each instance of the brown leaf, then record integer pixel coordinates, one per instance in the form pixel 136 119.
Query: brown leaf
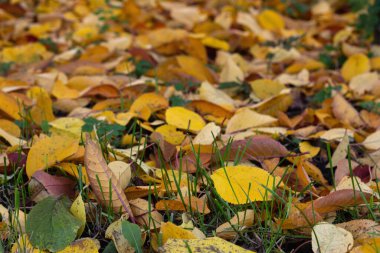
pixel 345 112
pixel 55 185
pixel 98 172
pixel 259 147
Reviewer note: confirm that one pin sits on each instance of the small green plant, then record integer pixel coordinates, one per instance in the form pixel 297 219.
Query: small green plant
pixel 332 57
pixel 141 67
pixel 177 101
pixel 107 133
pixel 370 106
pixel 49 44
pixel 368 23
pixel 325 93
pixel 5 67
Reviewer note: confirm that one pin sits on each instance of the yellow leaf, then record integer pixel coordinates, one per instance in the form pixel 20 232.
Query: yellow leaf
pixel 242 184
pixel 84 245
pixel 43 109
pixel 212 244
pixel 184 119
pixel 356 64
pixel 215 43
pixel 23 245
pixel 69 124
pixel 73 170
pixel 148 103
pixel 194 67
pixel 13 141
pixel 10 127
pixel 210 93
pixel 171 231
pixel 375 63
pixel 85 33
pixel 78 210
pixel 247 118
pixel 231 72
pixel 50 150
pixel 171 134
pixel 309 64
pixel 62 91
pixel 9 105
pixel 271 20
pixel 27 53
pixel 266 88
pixel 307 147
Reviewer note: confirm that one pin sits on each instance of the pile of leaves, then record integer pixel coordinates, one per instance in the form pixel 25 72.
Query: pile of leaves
pixel 189 126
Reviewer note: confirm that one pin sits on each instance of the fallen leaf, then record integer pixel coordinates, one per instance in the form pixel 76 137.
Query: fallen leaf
pixel 83 245
pixel 345 112
pixel 184 119
pixel 306 147
pixel 246 118
pixel 171 134
pixel 147 104
pixel 109 191
pixel 171 231
pixel 355 65
pixel 271 20
pixel 50 225
pixel 243 184
pixel 78 210
pixel 365 82
pixel 211 244
pixel 50 150
pixel 122 172
pixel 209 93
pixel 132 233
pixel 372 142
pixel 266 88
pixel 242 220
pixel 207 135
pixel 9 105
pixel 43 109
pixel 340 151
pixel 330 238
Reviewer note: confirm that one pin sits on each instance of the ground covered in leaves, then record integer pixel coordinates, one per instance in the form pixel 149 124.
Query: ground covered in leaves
pixel 189 126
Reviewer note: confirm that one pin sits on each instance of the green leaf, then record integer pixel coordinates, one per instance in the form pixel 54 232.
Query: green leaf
pixel 132 233
pixel 50 225
pixel 110 248
pixel 5 67
pixel 177 101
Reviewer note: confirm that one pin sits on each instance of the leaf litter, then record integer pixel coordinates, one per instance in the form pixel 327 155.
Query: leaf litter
pixel 254 124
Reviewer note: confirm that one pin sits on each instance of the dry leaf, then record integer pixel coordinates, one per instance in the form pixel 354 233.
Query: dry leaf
pixel 355 65
pixel 246 118
pixel 209 93
pixel 372 141
pixel 239 222
pixel 345 112
pixel 110 191
pixel 328 238
pixel 207 135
